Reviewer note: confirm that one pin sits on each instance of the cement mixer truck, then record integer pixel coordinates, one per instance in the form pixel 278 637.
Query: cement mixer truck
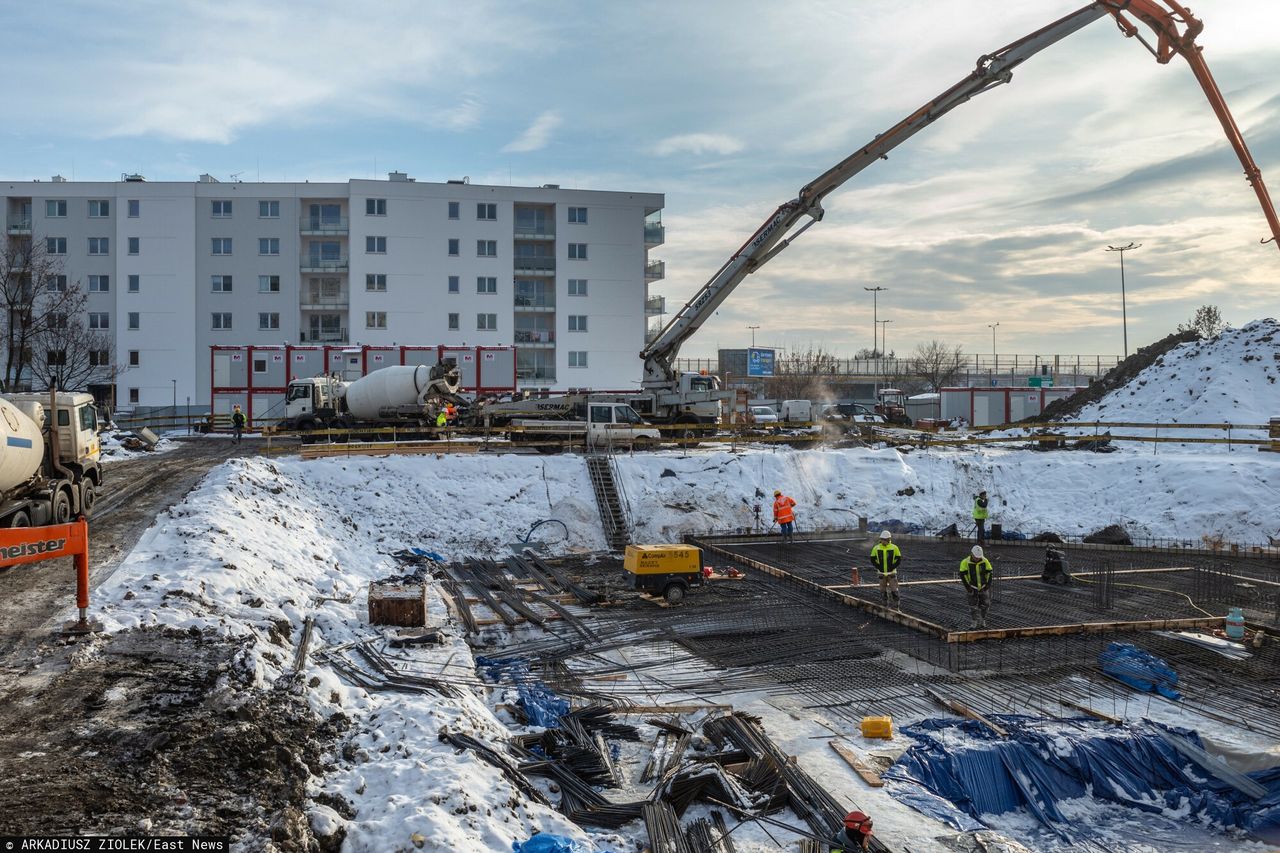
pixel 401 395
pixel 49 471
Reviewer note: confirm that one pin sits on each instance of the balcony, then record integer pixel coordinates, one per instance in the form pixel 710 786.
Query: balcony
pixel 655 270
pixel 529 232
pixel 19 223
pixel 323 225
pixel 651 333
pixel 655 305
pixel 315 263
pixel 323 336
pixel 324 301
pixel 535 337
pixel 535 374
pixel 535 302
pixel 655 234
pixel 534 266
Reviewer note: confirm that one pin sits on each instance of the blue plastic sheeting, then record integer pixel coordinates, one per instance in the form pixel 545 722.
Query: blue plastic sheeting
pixel 540 705
pixel 1140 670
pixel 959 771
pixel 547 843
pixel 430 555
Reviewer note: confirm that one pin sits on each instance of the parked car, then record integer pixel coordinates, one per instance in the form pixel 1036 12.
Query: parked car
pixel 764 415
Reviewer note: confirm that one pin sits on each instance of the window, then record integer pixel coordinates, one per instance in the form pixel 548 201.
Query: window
pixel 221 283
pixel 135 283
pixel 453 247
pixel 268 210
pixel 221 209
pixel 55 209
pixel 59 321
pixel 486 284
pixel 453 322
pixel 268 320
pixel 135 358
pixel 56 357
pixel 135 208
pixel 375 207
pixel 375 245
pixel 375 319
pixel 56 284
pixel 99 284
pixel 453 284
pixel 487 322
pixel 577 287
pixel 55 245
pixel 487 211
pixel 486 248
pixel 99 245
pixel 134 318
pixel 99 208
pixel 268 245
pixel 375 282
pixel 268 284
pixel 578 215
pixel 99 320
pixel 577 322
pixel 221 320
pixel 259 365
pixel 99 358
pixel 578 358
pixel 135 245
pixel 577 251
pixel 133 395
pixel 453 209
pixel 221 245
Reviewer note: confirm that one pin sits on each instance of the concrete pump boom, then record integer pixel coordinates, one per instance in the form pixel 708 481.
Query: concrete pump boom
pixel 992 70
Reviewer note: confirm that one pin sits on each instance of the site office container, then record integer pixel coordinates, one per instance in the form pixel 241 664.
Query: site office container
pixel 496 370
pixel 376 358
pixel 992 406
pixel 468 365
pixel 416 355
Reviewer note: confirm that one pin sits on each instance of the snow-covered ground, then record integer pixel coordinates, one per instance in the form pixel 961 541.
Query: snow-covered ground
pixel 113 449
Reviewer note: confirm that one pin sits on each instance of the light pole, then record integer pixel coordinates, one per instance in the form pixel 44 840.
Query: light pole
pixel 1124 314
pixel 884 337
pixel 992 327
pixel 875 317
pixel 175 398
pixel 753 335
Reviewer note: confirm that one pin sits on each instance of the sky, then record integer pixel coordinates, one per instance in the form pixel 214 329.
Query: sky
pixel 1001 212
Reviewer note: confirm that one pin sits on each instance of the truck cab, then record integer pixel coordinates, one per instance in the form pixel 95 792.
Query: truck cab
pixel 617 424
pixel 312 401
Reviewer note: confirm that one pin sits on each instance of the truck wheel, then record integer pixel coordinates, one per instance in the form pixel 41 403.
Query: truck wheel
pixel 61 510
pixel 642 443
pixel 674 593
pixel 88 497
pixel 20 519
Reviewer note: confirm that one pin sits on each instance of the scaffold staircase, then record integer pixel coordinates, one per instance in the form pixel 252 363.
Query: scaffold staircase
pixel 609 501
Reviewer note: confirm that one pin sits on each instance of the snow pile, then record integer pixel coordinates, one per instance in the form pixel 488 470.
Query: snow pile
pixel 1233 378
pixel 113 449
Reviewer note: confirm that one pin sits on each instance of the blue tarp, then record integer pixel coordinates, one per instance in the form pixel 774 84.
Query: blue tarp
pixel 961 770
pixel 540 705
pixel 544 842
pixel 1139 669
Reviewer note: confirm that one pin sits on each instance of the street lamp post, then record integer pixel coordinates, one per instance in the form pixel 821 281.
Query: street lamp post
pixel 175 398
pixel 1124 314
pixel 992 327
pixel 875 317
pixel 884 337
pixel 753 335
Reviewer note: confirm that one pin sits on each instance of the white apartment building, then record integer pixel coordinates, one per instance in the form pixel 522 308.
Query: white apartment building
pixel 179 267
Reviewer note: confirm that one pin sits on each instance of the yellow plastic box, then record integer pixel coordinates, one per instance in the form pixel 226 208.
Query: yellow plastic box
pixel 881 727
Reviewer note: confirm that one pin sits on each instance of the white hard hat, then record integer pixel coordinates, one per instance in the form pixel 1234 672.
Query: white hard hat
pixel 977 551
pixel 884 534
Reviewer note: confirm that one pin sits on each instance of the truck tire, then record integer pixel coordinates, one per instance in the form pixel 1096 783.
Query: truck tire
pixel 674 593
pixel 642 443
pixel 20 519
pixel 88 497
pixel 60 509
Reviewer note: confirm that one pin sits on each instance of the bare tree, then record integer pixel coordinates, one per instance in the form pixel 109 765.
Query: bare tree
pixel 804 375
pixel 34 296
pixel 67 355
pixel 1207 322
pixel 937 363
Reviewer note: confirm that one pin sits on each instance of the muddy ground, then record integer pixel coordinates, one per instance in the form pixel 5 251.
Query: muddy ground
pixel 144 731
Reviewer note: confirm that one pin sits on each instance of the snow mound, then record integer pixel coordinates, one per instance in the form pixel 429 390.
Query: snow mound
pixel 1232 378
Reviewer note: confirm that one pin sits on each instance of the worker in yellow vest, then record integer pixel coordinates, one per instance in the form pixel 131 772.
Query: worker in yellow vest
pixel 980 514
pixel 886 557
pixel 976 573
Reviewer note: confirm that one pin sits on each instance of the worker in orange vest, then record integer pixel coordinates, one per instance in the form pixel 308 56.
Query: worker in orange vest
pixel 783 514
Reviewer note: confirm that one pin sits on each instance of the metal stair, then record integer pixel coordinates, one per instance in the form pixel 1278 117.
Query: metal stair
pixel 608 500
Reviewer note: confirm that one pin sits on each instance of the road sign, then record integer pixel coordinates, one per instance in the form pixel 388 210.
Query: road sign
pixel 1040 381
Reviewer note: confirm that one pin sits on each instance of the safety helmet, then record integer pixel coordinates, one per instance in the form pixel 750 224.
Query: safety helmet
pixel 977 551
pixel 777 492
pixel 885 534
pixel 853 820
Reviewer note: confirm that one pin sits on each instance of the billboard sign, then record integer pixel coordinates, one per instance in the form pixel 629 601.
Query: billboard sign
pixel 759 362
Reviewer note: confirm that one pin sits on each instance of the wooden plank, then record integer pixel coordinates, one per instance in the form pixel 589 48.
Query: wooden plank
pixel 669 709
pixel 1115 721
pixel 518 619
pixel 965 711
pixel 868 775
pixel 1084 628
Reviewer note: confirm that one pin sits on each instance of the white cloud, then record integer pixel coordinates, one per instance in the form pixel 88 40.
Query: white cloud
pixel 698 143
pixel 536 136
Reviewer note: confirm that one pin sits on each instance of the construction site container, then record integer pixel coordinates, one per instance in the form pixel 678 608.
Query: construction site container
pixel 924 406
pixel 376 358
pixel 992 406
pixel 465 359
pixel 497 369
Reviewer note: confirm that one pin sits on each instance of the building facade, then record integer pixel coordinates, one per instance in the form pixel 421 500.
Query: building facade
pixel 178 267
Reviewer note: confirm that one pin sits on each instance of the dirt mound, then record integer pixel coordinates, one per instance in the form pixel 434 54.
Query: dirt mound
pixel 1112 534
pixel 157 731
pixel 1118 376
